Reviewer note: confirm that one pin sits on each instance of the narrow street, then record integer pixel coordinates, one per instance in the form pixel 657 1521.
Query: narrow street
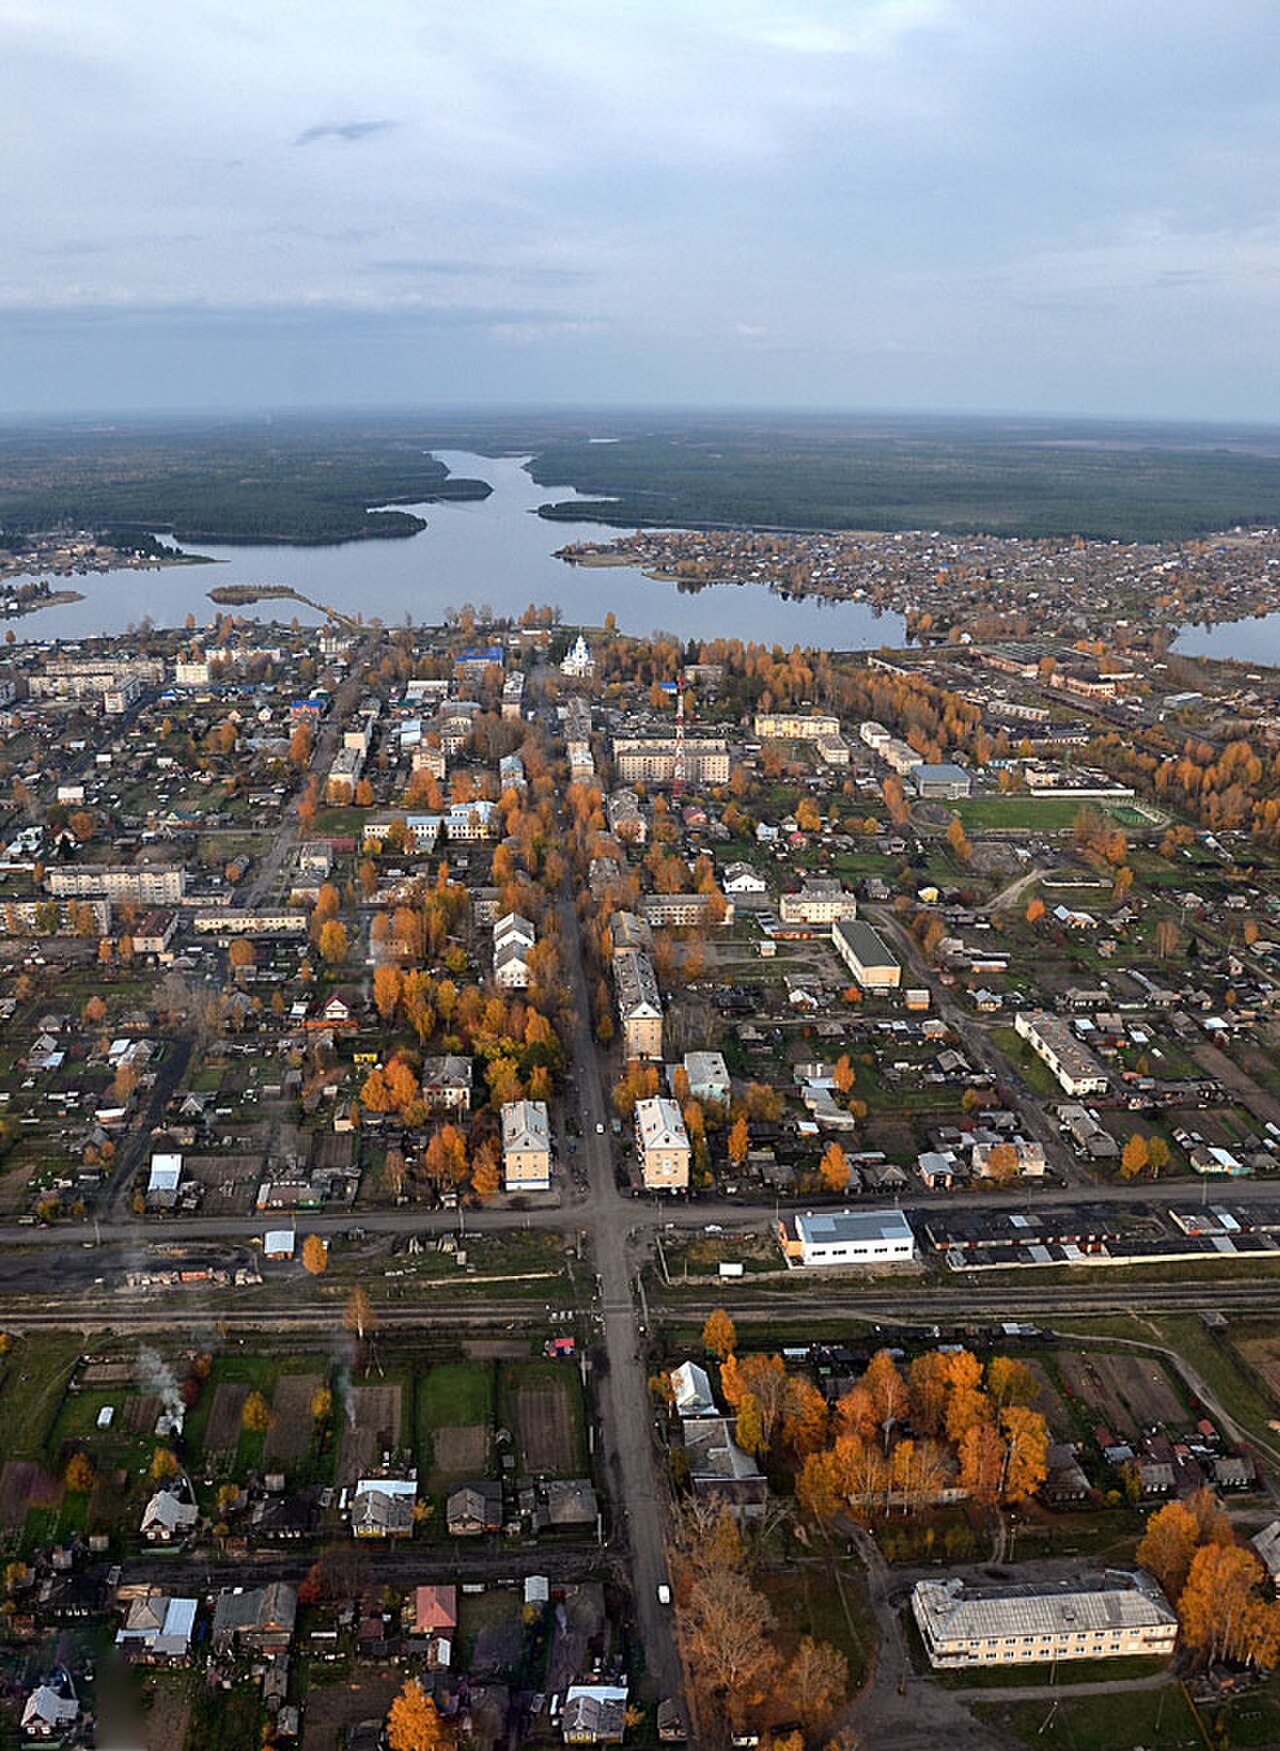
pixel 630 1460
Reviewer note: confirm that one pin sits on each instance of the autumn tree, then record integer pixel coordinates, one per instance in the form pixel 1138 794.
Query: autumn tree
pixel 1134 1156
pixel 719 1337
pixel 414 1723
pixel 321 1405
pixel 164 1464
pixel 387 985
pixel 1035 910
pixel 928 1387
pixel 817 1682
pixel 1026 1439
pixel 729 1640
pixel 256 1415
pixel 1002 1163
pixel 738 1142
pixel 834 1168
pixel 79 1476
pixel 315 1255
pixel 1157 1155
pixel 358 1315
pixel 124 1084
pixel 486 1178
pixel 1215 1608
pixel 982 1457
pixel 1168 1545
pixel 327 906
pixel 1168 938
pixel 242 955
pixel 1010 1381
pixel 958 840
pixel 333 942
pixel 805 1418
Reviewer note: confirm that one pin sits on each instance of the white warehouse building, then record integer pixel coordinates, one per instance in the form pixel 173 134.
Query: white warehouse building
pixel 818 1239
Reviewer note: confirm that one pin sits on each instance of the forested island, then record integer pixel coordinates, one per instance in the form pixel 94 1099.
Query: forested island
pixel 290 481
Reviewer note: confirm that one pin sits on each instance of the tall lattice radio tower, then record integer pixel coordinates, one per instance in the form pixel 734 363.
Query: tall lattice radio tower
pixel 677 775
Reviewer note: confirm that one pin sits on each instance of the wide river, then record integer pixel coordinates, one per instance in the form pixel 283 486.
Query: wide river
pixel 490 552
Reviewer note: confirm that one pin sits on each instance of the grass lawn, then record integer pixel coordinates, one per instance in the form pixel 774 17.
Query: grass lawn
pixel 453 1393
pixel 816 1596
pixel 1033 1070
pixel 36 1372
pixel 1066 1672
pixel 1034 814
pixel 1100 1723
pixel 1252 1719
pixel 225 1720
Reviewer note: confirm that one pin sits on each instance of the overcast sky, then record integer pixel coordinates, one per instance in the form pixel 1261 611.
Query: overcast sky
pixel 1018 205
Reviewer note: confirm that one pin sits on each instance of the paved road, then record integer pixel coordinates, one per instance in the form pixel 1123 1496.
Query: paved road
pixel 623 1395
pixel 645 1216
pixel 262 887
pixel 982 1049
pixel 168 1078
pixel 898 1708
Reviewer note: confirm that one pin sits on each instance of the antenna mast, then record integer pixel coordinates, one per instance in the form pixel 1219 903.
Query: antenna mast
pixel 677 775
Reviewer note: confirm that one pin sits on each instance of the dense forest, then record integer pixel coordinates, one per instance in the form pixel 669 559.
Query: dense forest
pixel 294 479
pixel 976 477
pixel 280 481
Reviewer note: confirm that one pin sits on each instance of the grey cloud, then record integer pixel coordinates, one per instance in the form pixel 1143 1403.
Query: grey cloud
pixel 348 131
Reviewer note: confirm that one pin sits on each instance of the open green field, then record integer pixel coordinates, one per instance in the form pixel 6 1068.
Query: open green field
pixel 1100 1723
pixel 1022 813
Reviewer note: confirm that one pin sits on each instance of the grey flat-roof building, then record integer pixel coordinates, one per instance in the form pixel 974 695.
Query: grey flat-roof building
pixel 865 955
pixel 942 780
pixel 1088 1617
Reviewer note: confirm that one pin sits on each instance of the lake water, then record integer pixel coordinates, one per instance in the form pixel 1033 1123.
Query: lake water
pixel 492 552
pixel 1243 641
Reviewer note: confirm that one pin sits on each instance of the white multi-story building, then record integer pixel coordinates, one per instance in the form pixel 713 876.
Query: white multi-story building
pixel 822 900
pixel 681 910
pixel 639 1003
pixel 662 1143
pixel 513 937
pixel 526 1146
pixel 708 1077
pixel 652 759
pixel 149 885
pixel 1051 1039
pixel 899 756
pixel 1090 1617
pixel 513 695
pixel 795 726
pixel 446 1084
